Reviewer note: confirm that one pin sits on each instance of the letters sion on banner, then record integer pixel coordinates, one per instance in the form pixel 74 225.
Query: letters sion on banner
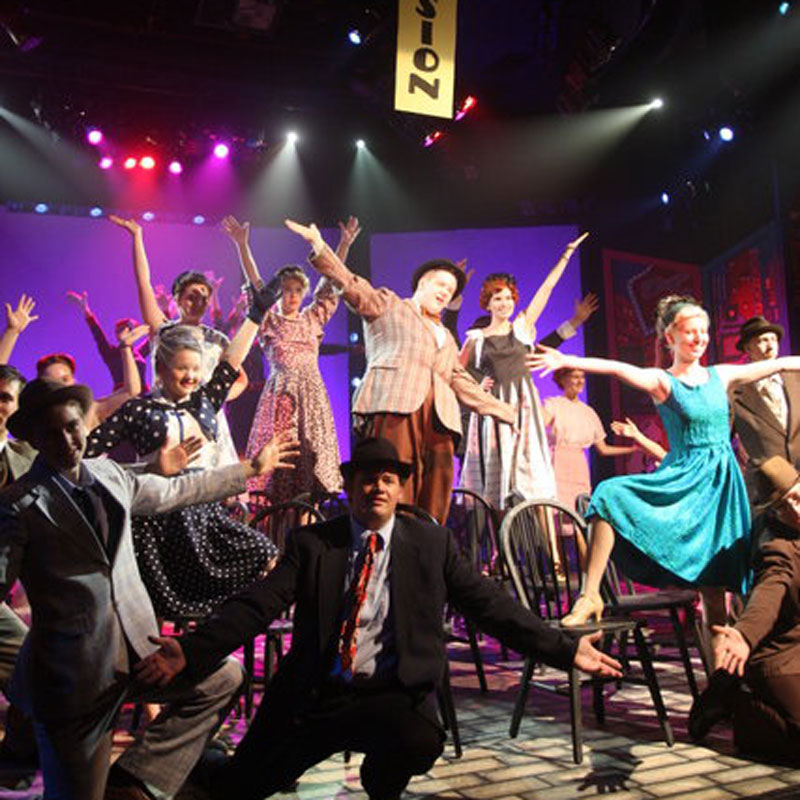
pixel 426 51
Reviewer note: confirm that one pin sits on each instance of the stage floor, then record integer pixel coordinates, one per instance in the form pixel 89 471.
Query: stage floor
pixel 625 759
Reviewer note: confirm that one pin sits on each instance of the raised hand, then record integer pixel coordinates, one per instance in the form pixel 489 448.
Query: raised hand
pixel 575 243
pixel 349 230
pixel 585 308
pixel 127 336
pixel 239 232
pixel 731 649
pixel 172 460
pixel 164 300
pixel 81 299
pixel 309 232
pixel 275 454
pixel 19 318
pixel 545 360
pixel 161 667
pixel 629 429
pixel 130 225
pixel 592 661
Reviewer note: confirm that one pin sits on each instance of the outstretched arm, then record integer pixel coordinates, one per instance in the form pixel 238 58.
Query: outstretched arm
pixel 151 312
pixel 736 374
pixel 630 430
pixel 239 234
pixel 131 378
pixel 358 293
pixel 539 301
pixel 650 380
pixel 17 320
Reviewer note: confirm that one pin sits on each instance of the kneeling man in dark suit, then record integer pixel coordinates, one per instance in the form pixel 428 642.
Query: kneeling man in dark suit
pixel 368 647
pixel 763 647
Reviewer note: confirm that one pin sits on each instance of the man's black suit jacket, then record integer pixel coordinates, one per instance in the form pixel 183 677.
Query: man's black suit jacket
pixel 426 571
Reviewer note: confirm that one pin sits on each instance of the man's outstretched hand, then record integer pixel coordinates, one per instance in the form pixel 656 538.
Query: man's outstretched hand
pixel 592 661
pixel 161 667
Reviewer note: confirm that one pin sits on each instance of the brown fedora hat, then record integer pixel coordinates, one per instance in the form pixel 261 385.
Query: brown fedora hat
pixel 755 326
pixel 375 453
pixel 445 264
pixel 774 478
pixel 39 395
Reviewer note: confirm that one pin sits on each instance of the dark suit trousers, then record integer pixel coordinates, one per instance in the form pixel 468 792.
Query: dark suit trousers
pixel 395 728
pixel 767 722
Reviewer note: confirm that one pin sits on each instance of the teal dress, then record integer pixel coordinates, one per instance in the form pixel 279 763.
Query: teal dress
pixel 689 521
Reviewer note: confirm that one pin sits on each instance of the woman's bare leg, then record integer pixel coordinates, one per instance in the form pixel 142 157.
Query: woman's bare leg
pixel 589 604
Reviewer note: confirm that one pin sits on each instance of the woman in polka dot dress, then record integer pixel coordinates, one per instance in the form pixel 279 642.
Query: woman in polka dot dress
pixel 294 398
pixel 194 558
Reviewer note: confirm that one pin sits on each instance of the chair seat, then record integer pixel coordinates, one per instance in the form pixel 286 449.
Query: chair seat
pixel 606 625
pixel 652 601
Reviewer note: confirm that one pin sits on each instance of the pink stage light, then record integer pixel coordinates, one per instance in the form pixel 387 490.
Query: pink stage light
pixel 222 150
pixel 431 138
pixel 94 136
pixel 469 103
pixel 148 162
pixel 175 167
pixel 106 162
pixel 130 162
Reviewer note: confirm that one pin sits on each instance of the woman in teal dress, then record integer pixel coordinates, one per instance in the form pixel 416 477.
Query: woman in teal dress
pixel 689 521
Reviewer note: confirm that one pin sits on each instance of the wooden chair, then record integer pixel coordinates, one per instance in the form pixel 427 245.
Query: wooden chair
pixel 526 548
pixel 622 600
pixel 473 521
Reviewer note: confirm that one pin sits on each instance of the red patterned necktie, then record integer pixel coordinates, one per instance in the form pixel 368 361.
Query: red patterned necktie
pixel 357 595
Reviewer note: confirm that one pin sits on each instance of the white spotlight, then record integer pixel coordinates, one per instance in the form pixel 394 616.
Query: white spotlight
pixel 360 144
pixel 292 137
pixel 656 102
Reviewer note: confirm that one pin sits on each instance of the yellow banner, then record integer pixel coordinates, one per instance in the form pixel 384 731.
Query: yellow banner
pixel 426 57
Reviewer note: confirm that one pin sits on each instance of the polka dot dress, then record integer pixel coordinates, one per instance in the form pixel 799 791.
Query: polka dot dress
pixel 193 558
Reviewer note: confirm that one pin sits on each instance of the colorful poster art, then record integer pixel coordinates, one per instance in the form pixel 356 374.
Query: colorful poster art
pixel 633 286
pixel 746 281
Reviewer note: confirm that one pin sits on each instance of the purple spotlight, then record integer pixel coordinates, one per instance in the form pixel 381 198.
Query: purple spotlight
pixel 221 150
pixel 106 162
pixel 94 136
pixel 175 167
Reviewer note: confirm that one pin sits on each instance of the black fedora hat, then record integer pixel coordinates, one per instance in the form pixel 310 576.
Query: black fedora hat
pixel 375 453
pixel 755 326
pixel 39 395
pixel 441 263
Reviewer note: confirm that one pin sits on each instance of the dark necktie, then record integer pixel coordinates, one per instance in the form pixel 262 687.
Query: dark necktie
pixel 83 499
pixel 5 470
pixel 357 594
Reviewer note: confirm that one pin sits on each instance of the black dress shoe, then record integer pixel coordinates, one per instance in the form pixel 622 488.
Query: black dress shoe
pixel 714 704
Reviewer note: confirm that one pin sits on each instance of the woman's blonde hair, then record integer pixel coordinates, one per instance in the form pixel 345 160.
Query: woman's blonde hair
pixel 292 272
pixel 672 309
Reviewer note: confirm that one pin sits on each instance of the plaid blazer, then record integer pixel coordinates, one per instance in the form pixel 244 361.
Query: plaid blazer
pixel 403 359
pixel 85 594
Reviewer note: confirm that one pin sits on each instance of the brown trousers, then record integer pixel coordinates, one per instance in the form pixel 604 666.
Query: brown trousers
pixel 767 722
pixel 425 443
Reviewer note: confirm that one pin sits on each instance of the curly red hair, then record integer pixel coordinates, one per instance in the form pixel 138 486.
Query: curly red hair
pixel 492 285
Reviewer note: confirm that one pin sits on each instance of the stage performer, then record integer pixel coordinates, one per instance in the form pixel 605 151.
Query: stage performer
pixel 689 521
pixel 192 293
pixel 368 647
pixel 575 427
pixel 763 647
pixel 410 391
pixel 502 463
pixel 193 558
pixel 65 532
pixel 295 398
pixel 766 414
pixel 111 354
